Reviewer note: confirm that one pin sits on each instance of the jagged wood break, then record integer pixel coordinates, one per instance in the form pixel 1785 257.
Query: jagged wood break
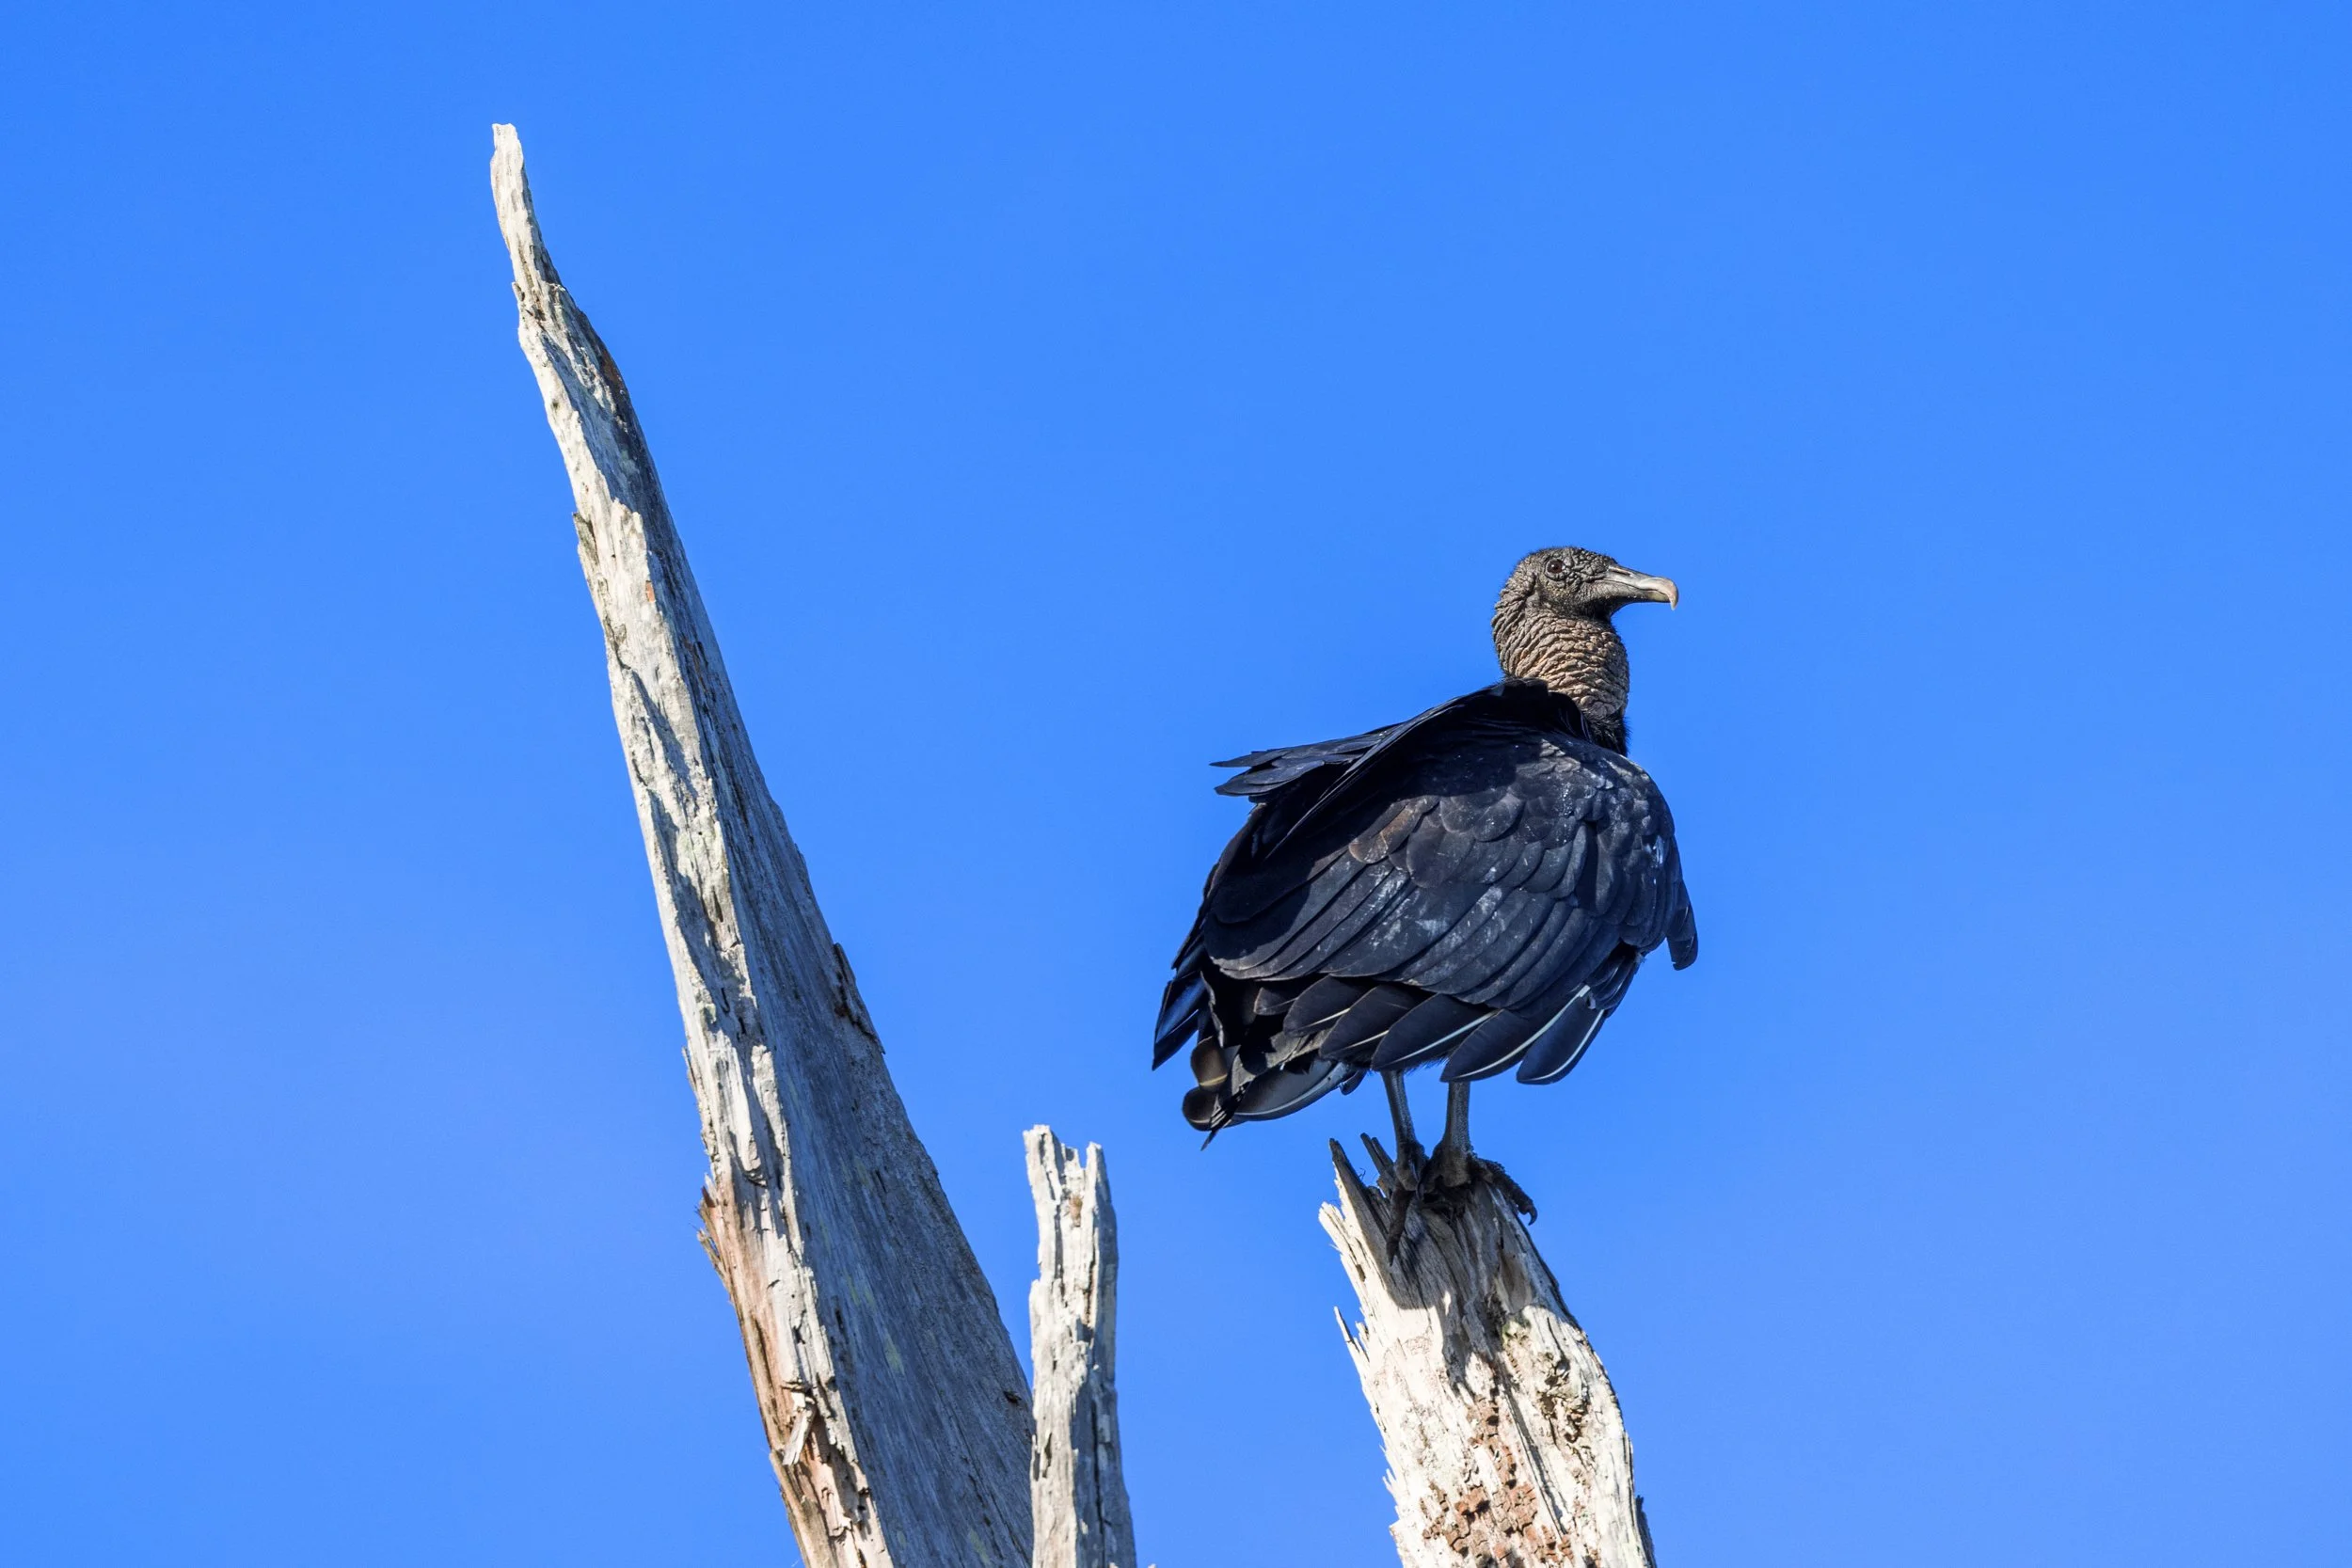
pixel 1078 1494
pixel 895 1409
pixel 1505 1446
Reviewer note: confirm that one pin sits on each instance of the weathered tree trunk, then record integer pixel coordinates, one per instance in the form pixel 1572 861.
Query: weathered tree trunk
pixel 895 1411
pixel 1504 1443
pixel 1078 1494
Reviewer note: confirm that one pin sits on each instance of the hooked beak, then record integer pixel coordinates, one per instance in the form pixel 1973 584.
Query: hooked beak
pixel 1637 587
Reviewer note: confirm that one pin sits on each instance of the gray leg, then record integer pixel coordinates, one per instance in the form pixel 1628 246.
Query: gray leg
pixel 1451 1162
pixel 1403 1182
pixel 1400 1114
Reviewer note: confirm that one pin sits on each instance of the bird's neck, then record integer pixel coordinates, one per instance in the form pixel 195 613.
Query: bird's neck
pixel 1581 659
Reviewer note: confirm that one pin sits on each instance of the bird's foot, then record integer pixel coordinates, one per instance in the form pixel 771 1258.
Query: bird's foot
pixel 1454 1173
pixel 1403 1183
pixel 1413 1164
pixel 1452 1168
pixel 1499 1178
pixel 1442 1183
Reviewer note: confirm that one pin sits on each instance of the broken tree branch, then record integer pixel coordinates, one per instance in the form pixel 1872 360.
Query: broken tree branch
pixel 1077 1494
pixel 1504 1442
pixel 894 1409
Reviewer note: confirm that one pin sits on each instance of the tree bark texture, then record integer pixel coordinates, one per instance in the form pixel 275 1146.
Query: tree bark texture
pixel 1504 1442
pixel 894 1409
pixel 1077 1493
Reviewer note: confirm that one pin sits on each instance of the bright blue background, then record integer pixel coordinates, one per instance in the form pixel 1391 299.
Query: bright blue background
pixel 1055 398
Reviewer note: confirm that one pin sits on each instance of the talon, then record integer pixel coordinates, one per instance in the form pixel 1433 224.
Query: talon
pixel 1411 1160
pixel 1401 1209
pixel 1486 1170
pixel 1404 1185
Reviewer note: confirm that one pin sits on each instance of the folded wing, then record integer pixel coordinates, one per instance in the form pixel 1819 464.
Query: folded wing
pixel 1477 886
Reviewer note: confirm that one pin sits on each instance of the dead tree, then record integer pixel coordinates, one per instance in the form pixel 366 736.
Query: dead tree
pixel 1505 1441
pixel 1078 1491
pixel 895 1414
pixel 895 1411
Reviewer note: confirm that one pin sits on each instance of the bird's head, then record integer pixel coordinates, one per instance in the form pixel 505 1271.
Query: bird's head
pixel 1583 584
pixel 1551 625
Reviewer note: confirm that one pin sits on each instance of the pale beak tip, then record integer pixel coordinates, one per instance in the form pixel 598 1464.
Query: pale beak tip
pixel 1632 587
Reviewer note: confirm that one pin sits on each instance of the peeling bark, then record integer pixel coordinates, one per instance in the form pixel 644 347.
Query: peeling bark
pixel 895 1409
pixel 1078 1492
pixel 1505 1446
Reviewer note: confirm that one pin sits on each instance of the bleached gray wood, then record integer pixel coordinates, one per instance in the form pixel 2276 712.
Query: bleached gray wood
pixel 896 1412
pixel 1077 1494
pixel 1504 1442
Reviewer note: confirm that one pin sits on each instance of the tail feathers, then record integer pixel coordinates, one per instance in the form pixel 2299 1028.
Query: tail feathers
pixel 1204 1107
pixel 1545 1047
pixel 1266 1050
pixel 1287 1089
pixel 1494 1045
pixel 1682 937
pixel 1425 1034
pixel 1183 1006
pixel 1355 1033
pixel 1263 772
pixel 1554 1054
pixel 1321 1002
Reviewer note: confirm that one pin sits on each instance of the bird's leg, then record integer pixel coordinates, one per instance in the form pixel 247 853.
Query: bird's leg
pixel 1452 1167
pixel 1449 1166
pixel 1409 1158
pixel 1405 1177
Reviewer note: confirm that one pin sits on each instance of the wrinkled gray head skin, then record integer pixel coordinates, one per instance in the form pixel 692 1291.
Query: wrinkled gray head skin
pixel 1551 625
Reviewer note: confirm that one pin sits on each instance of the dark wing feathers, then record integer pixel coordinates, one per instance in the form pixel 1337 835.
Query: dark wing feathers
pixel 1367 1020
pixel 1322 1003
pixel 1563 864
pixel 1414 918
pixel 1494 1045
pixel 1265 772
pixel 1184 1009
pixel 1424 1034
pixel 1682 936
pixel 1478 885
pixel 1461 959
pixel 1485 816
pixel 1508 937
pixel 1506 990
pixel 1436 854
pixel 1555 1053
pixel 1305 949
pixel 1392 832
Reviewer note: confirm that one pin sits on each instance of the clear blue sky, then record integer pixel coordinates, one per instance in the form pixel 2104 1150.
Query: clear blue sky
pixel 1055 398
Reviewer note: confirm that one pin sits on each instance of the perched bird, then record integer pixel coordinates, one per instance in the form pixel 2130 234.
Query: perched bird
pixel 1474 886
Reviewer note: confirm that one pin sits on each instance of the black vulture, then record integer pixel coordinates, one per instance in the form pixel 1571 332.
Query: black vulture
pixel 1474 886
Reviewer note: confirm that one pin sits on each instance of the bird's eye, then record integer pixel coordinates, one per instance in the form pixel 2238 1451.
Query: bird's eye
pixel 1555 567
